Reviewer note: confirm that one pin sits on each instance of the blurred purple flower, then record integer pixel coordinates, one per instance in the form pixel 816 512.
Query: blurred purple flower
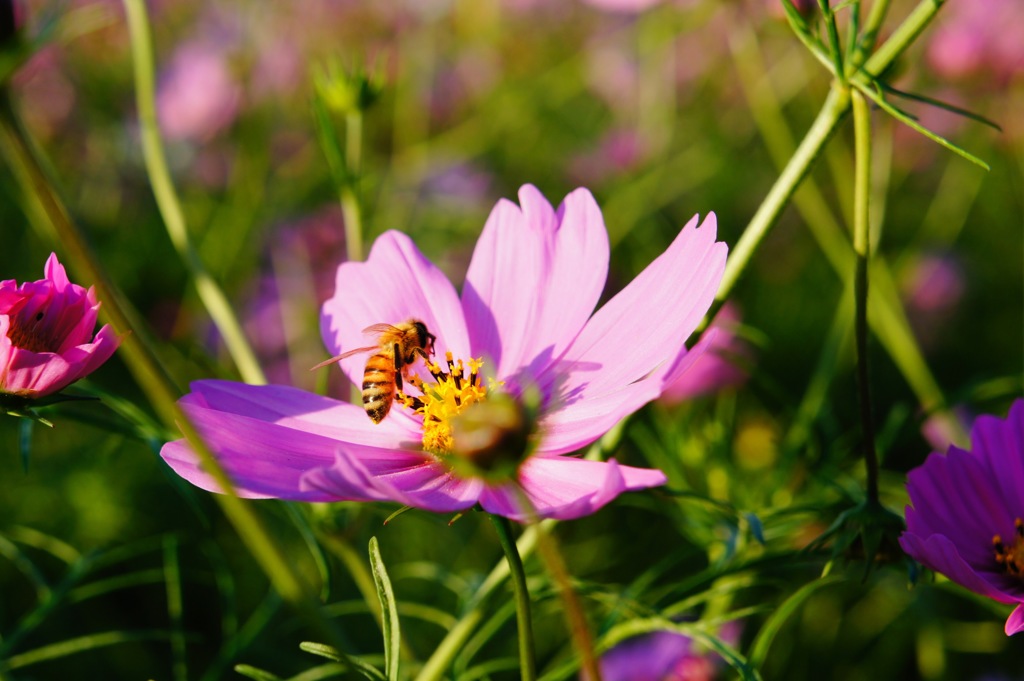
pixel 528 308
pixel 46 334
pixel 658 656
pixel 197 96
pixel 967 514
pixel 722 361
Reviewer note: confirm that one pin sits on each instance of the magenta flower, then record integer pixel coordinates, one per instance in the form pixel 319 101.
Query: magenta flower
pixel 46 334
pixel 967 519
pixel 526 315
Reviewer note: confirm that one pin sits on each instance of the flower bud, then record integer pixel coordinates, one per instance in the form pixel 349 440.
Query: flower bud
pixel 347 92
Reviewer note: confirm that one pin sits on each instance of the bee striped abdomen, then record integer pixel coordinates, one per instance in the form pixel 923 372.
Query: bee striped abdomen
pixel 378 386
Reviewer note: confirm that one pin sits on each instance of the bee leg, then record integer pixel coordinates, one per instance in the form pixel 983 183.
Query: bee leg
pixel 398 368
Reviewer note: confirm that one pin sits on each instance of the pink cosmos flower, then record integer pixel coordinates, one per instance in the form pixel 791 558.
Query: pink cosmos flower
pixel 526 314
pixel 46 334
pixel 967 519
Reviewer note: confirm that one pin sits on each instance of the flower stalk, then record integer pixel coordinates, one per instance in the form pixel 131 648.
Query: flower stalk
pixel 831 115
pixel 524 621
pixel 210 292
pixel 862 249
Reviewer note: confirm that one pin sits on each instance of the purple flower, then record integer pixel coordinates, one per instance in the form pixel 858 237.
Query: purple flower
pixel 967 519
pixel 526 315
pixel 46 334
pixel 658 656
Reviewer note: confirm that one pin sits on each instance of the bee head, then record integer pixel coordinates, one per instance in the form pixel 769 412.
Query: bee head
pixel 425 338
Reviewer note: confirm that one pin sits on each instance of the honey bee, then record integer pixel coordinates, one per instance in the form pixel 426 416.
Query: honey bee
pixel 396 350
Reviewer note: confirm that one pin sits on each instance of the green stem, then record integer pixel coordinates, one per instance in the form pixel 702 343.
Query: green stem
pixel 434 669
pixel 455 640
pixel 47 210
pixel 900 39
pixel 862 249
pixel 527 655
pixel 835 49
pixel 833 111
pixel 575 617
pixel 350 208
pixel 170 207
pixel 869 36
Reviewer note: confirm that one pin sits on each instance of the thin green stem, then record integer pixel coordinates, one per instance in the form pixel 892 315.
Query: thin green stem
pixel 434 669
pixel 350 207
pixel 862 249
pixel 455 640
pixel 47 211
pixel 575 617
pixel 524 621
pixel 210 293
pixel 869 36
pixel 835 49
pixel 832 112
pixel 901 38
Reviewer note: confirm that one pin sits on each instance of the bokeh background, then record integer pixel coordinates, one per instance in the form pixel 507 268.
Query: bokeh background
pixel 661 109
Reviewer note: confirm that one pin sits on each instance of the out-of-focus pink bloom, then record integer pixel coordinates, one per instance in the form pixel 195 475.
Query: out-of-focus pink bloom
pixel 934 283
pixel 967 518
pixel 623 5
pixel 618 152
pixel 942 429
pixel 932 288
pixel 527 309
pixel 721 363
pixel 46 334
pixel 976 36
pixel 197 97
pixel 658 656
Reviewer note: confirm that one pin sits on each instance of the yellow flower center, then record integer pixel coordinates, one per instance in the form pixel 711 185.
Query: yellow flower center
pixel 451 392
pixel 1011 557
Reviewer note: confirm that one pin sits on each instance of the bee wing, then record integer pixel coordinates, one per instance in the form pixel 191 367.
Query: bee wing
pixel 338 358
pixel 378 329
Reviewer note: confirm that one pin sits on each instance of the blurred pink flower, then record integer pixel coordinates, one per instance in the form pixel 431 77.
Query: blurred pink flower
pixel 623 5
pixel 46 334
pixel 967 518
pixel 197 96
pixel 722 358
pixel 527 309
pixel 976 36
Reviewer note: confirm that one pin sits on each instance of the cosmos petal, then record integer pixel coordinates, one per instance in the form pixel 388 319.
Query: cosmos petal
pixel 396 283
pixel 409 478
pixel 940 554
pixel 544 272
pixel 566 488
pixel 1015 622
pixel 574 426
pixel 647 323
